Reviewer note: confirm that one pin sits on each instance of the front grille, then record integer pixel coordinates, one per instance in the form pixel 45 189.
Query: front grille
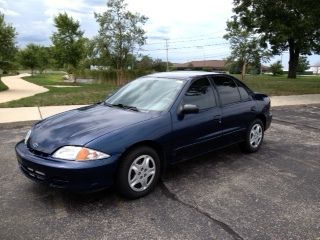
pixel 33 173
pixel 38 153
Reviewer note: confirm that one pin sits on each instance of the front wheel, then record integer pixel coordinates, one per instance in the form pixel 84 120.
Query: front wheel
pixel 254 137
pixel 138 172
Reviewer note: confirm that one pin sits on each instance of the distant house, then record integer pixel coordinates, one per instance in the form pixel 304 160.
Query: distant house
pixel 265 69
pixel 95 67
pixel 315 69
pixel 214 65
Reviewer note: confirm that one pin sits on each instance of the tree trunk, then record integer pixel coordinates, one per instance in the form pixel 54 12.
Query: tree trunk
pixel 120 76
pixel 244 68
pixel 294 53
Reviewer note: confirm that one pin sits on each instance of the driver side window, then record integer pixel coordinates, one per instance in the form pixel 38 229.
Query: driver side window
pixel 200 93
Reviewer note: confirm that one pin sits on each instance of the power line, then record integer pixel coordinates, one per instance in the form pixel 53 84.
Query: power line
pixel 186 47
pixel 207 49
pixel 200 57
pixel 180 41
pixel 200 35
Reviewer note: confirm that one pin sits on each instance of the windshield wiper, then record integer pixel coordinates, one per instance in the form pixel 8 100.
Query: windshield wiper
pixel 120 105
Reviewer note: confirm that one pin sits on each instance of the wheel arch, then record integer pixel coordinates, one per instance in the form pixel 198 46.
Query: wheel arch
pixel 263 118
pixel 155 146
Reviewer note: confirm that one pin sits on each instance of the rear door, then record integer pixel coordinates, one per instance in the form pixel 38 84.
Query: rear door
pixel 237 108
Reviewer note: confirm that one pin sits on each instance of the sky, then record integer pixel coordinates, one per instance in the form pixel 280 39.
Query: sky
pixel 193 29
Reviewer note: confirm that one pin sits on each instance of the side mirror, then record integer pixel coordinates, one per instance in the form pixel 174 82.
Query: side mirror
pixel 189 109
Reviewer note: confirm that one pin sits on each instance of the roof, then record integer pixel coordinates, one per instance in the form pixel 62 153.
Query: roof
pixel 181 74
pixel 217 64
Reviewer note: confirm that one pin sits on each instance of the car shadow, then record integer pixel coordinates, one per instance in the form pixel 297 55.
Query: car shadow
pixel 207 162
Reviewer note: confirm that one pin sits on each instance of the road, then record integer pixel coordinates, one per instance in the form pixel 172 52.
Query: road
pixel 272 194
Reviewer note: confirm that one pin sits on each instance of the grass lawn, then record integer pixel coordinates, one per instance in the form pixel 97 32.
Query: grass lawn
pixel 74 95
pixel 2 86
pixel 281 85
pixel 92 93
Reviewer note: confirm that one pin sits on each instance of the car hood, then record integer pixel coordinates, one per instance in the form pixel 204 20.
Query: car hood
pixel 80 126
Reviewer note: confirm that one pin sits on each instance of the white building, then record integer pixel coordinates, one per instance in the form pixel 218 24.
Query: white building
pixel 315 69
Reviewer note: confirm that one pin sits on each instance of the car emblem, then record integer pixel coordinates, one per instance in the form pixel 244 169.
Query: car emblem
pixel 35 145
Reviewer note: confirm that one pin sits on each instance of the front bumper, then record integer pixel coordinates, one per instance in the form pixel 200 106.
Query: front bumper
pixel 73 175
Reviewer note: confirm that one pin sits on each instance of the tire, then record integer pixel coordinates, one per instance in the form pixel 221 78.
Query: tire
pixel 254 137
pixel 138 172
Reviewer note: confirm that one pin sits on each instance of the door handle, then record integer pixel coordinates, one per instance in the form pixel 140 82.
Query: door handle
pixel 217 118
pixel 253 109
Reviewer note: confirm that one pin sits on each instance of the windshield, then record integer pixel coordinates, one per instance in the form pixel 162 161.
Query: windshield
pixel 147 94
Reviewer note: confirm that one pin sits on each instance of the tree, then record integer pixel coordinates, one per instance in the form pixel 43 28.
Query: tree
pixel 145 63
pixel 28 57
pixel 68 42
pixel 120 31
pixel 44 57
pixel 284 24
pixel 7 43
pixel 303 64
pixel 276 68
pixel 234 67
pixel 245 47
pixel 159 65
pixel 35 57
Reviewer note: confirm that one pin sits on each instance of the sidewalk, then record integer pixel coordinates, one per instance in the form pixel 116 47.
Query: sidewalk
pixel 295 100
pixel 8 115
pixel 20 114
pixel 19 88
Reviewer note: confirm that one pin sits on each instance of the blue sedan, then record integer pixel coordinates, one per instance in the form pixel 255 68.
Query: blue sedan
pixel 130 138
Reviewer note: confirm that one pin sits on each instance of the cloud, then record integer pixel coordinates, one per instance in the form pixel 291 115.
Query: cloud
pixel 81 10
pixel 6 10
pixel 9 12
pixel 33 38
pixel 175 20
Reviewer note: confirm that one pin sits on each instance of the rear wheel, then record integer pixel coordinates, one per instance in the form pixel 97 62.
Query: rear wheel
pixel 254 137
pixel 138 172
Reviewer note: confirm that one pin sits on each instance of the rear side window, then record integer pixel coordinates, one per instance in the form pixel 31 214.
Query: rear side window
pixel 227 89
pixel 243 92
pixel 200 93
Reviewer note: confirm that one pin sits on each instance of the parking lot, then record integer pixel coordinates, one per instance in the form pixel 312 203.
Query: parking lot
pixel 272 194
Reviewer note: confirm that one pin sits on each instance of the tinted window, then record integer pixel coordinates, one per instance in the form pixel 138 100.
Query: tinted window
pixel 227 89
pixel 200 94
pixel 243 92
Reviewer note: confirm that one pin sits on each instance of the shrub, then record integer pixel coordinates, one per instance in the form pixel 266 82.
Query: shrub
pixel 276 68
pixel 110 76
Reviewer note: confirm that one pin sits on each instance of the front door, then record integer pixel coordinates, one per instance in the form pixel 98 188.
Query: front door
pixel 197 133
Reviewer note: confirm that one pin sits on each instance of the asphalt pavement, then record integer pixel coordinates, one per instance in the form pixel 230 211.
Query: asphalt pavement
pixel 272 194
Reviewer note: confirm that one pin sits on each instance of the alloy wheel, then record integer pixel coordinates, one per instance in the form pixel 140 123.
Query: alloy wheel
pixel 256 135
pixel 141 173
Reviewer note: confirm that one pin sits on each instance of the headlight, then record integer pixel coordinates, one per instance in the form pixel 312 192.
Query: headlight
pixel 27 137
pixel 79 153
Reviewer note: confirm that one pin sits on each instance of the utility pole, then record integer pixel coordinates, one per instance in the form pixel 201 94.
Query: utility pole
pixel 167 50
